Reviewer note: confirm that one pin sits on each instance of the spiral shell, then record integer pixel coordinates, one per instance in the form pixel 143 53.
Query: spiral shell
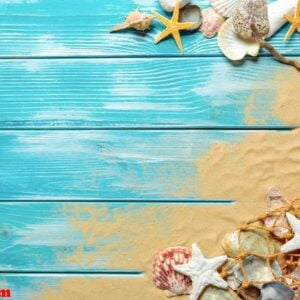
pixel 163 274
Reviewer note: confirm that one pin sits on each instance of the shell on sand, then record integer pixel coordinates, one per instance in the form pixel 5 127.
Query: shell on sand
pixel 211 22
pixel 163 274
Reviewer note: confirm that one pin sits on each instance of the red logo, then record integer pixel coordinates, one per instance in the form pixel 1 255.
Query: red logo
pixel 5 293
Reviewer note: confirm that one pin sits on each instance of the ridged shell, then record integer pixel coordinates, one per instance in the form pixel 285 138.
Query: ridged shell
pixel 169 5
pixel 225 7
pixel 234 47
pixel 163 274
pixel 191 13
pixel 211 22
pixel 277 291
pixel 249 16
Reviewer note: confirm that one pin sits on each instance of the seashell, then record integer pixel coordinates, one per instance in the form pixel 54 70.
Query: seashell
pixel 169 5
pixel 253 242
pixel 257 269
pixel 225 7
pixel 211 22
pixel 191 13
pixel 136 20
pixel 276 290
pixel 163 274
pixel 277 222
pixel 250 293
pixel 251 15
pixel 235 48
pixel 294 278
pixel 213 293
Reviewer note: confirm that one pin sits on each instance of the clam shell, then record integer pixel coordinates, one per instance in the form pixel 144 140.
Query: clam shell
pixel 191 13
pixel 276 290
pixel 253 242
pixel 163 274
pixel 251 14
pixel 234 47
pixel 169 5
pixel 213 293
pixel 211 22
pixel 225 7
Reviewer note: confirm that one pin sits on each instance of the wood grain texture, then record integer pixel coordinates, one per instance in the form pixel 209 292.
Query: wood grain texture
pixel 46 28
pixel 165 92
pixel 103 165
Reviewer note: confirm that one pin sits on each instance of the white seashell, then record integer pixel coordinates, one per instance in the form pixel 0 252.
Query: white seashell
pixel 276 290
pixel 225 7
pixel 169 5
pixel 236 48
pixel 211 22
pixel 191 13
pixel 233 46
pixel 163 274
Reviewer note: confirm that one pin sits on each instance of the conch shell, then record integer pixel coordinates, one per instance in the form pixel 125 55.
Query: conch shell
pixel 136 20
pixel 251 15
pixel 236 48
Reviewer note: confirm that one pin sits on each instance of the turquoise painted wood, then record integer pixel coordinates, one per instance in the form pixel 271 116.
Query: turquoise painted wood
pixel 103 165
pixel 41 237
pixel 66 28
pixel 152 92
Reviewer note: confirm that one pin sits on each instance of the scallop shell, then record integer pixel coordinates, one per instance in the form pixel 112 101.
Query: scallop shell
pixel 165 277
pixel 234 47
pixel 169 5
pixel 251 14
pixel 276 290
pixel 191 13
pixel 277 222
pixel 211 22
pixel 253 242
pixel 136 20
pixel 225 7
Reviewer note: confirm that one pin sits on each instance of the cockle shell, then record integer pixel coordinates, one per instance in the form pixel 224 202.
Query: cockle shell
pixel 211 22
pixel 225 7
pixel 276 291
pixel 277 221
pixel 163 274
pixel 251 15
pixel 236 48
pixel 191 13
pixel 136 20
pixel 169 5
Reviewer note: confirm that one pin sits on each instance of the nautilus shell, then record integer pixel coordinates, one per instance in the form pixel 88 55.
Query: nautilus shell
pixel 163 274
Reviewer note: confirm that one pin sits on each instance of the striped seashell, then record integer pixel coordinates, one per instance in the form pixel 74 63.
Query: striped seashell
pixel 225 8
pixel 165 277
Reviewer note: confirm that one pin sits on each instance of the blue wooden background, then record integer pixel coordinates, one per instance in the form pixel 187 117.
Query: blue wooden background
pixel 107 121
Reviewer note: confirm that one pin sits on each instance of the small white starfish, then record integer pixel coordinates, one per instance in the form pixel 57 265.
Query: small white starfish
pixel 294 243
pixel 202 271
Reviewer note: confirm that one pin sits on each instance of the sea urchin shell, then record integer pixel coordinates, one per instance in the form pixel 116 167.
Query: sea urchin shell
pixel 165 277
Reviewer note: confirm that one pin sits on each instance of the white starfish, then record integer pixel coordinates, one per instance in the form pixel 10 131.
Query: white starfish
pixel 202 271
pixel 294 243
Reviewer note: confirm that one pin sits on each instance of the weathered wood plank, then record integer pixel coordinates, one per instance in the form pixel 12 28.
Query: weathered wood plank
pixel 190 92
pixel 110 237
pixel 52 28
pixel 103 165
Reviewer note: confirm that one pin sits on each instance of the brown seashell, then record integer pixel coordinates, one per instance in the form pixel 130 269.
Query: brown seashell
pixel 136 20
pixel 191 13
pixel 163 274
pixel 211 22
pixel 250 293
pixel 251 15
